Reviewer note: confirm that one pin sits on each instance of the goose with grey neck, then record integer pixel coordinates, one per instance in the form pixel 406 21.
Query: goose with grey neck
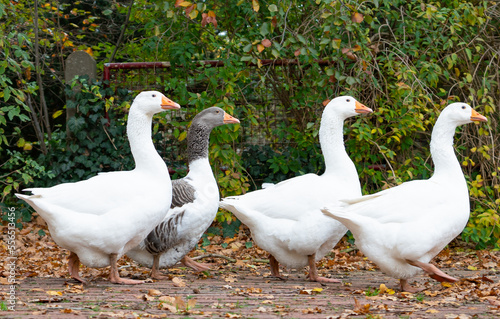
pixel 100 218
pixel 195 201
pixel 285 219
pixel 402 228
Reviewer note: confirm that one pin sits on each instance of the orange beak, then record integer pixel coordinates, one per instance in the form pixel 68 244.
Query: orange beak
pixel 361 108
pixel 168 104
pixel 475 116
pixel 228 119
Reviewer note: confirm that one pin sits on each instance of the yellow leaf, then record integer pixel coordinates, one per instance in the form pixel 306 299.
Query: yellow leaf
pixel 21 142
pixel 336 43
pixel 57 114
pixel 432 311
pixel 382 289
pixel 54 293
pixel 184 4
pixel 357 17
pixel 260 47
pixel 27 147
pixel 182 136
pixel 255 5
pixel 471 268
pixel 446 284
pixel 193 14
pixel 317 290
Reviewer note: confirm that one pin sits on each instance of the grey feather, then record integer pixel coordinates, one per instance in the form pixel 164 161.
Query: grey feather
pixel 182 193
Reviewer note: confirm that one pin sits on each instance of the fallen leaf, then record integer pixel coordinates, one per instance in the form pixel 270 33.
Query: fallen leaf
pixel 54 293
pixel 432 311
pixel 154 292
pixel 261 309
pixel 147 297
pixel 75 312
pixel 191 303
pixel 313 291
pixel 178 282
pixel 360 308
pixel 166 299
pixel 179 303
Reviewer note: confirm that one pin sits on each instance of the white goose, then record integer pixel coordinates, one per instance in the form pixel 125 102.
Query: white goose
pixel 99 219
pixel 285 219
pixel 402 228
pixel 195 200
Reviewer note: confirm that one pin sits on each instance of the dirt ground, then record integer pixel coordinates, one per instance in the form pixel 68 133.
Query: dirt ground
pixel 239 286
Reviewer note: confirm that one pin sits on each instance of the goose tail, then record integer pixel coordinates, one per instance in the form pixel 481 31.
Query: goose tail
pixel 246 215
pixel 352 221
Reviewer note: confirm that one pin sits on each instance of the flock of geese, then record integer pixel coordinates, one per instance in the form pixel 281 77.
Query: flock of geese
pixel 156 221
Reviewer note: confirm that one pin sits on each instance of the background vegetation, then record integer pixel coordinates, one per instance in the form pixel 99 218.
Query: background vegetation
pixel 404 59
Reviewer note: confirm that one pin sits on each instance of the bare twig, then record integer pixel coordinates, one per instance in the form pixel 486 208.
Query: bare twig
pixel 215 256
pixel 45 111
pixel 124 27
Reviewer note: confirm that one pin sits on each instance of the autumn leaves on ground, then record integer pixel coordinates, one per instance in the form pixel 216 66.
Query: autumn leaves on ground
pixel 239 285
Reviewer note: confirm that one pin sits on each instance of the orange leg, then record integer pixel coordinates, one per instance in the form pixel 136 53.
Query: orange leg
pixel 433 271
pixel 275 267
pixel 313 271
pixel 74 267
pixel 196 266
pixel 405 286
pixel 114 276
pixel 155 270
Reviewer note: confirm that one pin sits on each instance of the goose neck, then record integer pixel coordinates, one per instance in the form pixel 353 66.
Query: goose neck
pixel 198 140
pixel 331 137
pixel 141 144
pixel 442 151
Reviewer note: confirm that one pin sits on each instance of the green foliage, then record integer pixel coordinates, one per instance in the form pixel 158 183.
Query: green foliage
pixel 16 161
pixel 91 143
pixel 405 59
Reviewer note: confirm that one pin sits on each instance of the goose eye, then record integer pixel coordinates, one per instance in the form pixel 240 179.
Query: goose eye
pixel 463 107
pixel 348 100
pixel 154 95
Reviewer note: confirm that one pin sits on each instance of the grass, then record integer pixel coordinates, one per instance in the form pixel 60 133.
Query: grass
pixel 371 292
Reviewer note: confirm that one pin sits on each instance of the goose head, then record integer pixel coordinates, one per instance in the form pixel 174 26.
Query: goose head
pixel 213 117
pixel 461 113
pixel 346 106
pixel 152 102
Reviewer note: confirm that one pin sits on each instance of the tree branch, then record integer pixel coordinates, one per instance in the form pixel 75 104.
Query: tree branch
pixel 120 38
pixel 43 103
